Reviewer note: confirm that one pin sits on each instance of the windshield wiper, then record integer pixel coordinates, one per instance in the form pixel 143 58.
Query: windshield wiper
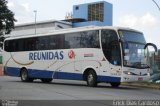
pixel 140 65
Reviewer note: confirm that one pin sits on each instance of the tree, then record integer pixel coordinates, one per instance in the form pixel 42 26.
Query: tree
pixel 6 18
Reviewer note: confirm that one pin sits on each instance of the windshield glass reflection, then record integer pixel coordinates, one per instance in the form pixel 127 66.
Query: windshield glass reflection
pixel 133 46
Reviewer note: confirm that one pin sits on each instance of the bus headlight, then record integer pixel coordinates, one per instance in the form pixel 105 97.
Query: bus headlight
pixel 129 73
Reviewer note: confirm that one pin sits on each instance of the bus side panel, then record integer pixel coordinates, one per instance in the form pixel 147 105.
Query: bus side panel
pixel 39 73
pixel 71 69
pixel 54 74
pixel 94 59
pixel 108 79
pixel 69 76
pixel 11 71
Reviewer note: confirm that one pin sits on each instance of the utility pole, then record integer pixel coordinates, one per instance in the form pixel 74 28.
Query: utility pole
pixel 35 11
pixel 4 29
pixel 156 4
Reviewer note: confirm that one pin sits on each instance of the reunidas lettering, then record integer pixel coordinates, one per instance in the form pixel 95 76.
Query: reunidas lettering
pixel 46 55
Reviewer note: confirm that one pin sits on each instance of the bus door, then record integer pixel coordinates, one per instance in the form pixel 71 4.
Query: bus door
pixel 112 52
pixel 115 59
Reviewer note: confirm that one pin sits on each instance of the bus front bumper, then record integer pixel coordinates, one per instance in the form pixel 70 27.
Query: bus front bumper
pixel 135 78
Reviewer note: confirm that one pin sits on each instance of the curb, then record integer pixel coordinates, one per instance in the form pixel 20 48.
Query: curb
pixel 142 85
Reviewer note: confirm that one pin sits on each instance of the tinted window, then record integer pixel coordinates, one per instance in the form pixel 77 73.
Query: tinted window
pixel 72 40
pixel 88 39
pixel 56 42
pixel 111 47
pixel 8 46
pixel 30 44
pixel 42 43
pixel 132 36
pixel 20 45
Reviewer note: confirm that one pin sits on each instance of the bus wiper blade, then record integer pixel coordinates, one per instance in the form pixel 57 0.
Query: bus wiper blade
pixel 139 65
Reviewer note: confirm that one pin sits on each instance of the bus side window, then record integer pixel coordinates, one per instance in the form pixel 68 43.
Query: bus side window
pixel 30 44
pixel 15 45
pixel 56 42
pixel 8 46
pixel 72 40
pixel 89 39
pixel 43 43
pixel 86 39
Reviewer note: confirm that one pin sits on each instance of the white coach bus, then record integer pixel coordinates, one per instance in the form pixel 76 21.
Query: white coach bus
pixel 93 54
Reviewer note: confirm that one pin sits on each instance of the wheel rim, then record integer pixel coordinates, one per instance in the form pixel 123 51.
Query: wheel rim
pixel 90 78
pixel 24 75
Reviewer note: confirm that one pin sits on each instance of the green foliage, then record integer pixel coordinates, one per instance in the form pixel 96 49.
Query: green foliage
pixel 6 18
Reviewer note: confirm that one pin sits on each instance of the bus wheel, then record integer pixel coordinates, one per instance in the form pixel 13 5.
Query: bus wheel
pixel 24 76
pixel 46 80
pixel 92 79
pixel 115 84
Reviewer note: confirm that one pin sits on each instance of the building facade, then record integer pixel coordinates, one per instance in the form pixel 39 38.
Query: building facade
pixel 39 27
pixel 95 13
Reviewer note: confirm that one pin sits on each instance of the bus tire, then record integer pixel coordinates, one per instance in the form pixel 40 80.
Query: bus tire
pixel 46 80
pixel 24 76
pixel 91 79
pixel 115 84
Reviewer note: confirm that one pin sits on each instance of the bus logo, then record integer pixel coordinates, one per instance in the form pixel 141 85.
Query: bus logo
pixel 71 54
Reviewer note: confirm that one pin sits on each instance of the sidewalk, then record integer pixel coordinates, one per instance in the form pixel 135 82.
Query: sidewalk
pixel 143 85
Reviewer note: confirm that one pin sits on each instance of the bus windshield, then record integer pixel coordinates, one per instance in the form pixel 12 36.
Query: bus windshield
pixel 133 49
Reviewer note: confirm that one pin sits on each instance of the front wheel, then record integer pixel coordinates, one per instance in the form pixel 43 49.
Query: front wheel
pixel 92 79
pixel 115 84
pixel 25 77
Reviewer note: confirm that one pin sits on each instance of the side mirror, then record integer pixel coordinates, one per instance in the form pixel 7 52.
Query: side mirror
pixel 154 46
pixel 151 44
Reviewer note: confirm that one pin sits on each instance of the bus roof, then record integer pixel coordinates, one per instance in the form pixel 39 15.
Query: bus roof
pixel 71 30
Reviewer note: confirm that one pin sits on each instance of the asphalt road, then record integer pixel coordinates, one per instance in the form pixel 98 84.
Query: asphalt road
pixel 11 88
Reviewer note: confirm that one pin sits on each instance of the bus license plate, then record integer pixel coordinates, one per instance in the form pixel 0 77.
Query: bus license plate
pixel 140 79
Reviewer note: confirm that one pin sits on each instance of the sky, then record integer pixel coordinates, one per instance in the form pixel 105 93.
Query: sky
pixel 142 15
